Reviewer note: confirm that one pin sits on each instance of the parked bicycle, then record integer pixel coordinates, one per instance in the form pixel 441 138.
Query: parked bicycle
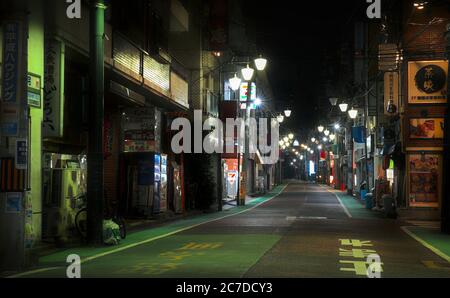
pixel 111 213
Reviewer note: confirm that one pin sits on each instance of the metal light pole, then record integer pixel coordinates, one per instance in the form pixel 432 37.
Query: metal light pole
pixel 245 161
pixel 96 114
pixel 445 220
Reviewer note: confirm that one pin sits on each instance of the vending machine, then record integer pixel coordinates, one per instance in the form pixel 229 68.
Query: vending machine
pixel 157 185
pixel 163 191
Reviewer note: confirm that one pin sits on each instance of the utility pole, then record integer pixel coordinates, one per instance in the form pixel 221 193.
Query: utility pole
pixel 445 221
pixel 95 196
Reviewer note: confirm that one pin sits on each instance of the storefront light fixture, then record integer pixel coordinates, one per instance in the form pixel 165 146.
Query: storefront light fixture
pixel 290 136
pixel 258 101
pixel 235 83
pixel 332 137
pixel 320 128
pixel 286 139
pixel 326 132
pixel 247 73
pixel 313 140
pixel 343 107
pixel 287 113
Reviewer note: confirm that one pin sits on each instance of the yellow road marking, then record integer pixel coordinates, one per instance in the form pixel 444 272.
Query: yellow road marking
pixel 150 239
pixel 426 244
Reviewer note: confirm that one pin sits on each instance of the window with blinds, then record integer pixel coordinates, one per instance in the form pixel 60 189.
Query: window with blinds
pixel 157 73
pixel 179 89
pixel 126 54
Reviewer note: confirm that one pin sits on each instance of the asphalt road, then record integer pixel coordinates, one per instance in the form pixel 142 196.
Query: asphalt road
pixel 302 232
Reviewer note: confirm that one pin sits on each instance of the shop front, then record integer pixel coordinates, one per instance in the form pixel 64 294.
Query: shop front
pixel 143 168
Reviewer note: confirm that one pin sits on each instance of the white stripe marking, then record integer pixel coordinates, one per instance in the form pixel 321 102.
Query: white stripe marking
pixel 152 239
pixel 340 202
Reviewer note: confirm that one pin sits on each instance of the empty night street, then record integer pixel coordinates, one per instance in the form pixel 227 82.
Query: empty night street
pixel 298 230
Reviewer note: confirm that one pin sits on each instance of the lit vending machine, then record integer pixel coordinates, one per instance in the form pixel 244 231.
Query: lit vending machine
pixel 163 191
pixel 157 185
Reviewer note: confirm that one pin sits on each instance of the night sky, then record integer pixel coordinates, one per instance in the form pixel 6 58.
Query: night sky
pixel 295 35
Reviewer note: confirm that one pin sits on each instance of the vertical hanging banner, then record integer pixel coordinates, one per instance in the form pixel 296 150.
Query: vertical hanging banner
pixel 10 79
pixel 21 156
pixel 54 88
pixel 391 92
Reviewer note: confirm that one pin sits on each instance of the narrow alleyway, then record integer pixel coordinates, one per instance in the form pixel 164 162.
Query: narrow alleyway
pixel 305 231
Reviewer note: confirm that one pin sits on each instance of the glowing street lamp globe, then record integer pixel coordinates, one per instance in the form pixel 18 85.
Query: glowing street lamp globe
pixel 287 113
pixel 260 63
pixel 313 140
pixel 247 73
pixel 235 83
pixel 291 136
pixel 326 132
pixel 332 137
pixel 286 139
pixel 343 107
pixel 320 128
pixel 280 118
pixel 353 113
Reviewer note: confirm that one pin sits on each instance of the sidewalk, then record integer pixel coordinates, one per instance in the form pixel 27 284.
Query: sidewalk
pixel 426 233
pixel 355 207
pixel 87 253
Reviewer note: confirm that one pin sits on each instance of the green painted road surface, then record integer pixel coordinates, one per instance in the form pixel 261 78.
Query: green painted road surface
pixel 302 230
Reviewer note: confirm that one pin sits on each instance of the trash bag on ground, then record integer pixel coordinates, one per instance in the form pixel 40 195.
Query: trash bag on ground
pixel 111 232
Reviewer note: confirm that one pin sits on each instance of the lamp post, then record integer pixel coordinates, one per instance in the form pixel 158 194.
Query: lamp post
pixel 247 74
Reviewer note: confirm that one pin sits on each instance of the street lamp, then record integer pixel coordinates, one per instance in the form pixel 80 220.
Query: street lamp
pixel 287 113
pixel 313 140
pixel 320 128
pixel 286 139
pixel 332 137
pixel 325 139
pixel 343 107
pixel 353 113
pixel 319 147
pixel 235 83
pixel 280 118
pixel 337 126
pixel 247 73
pixel 333 101
pixel 258 101
pixel 260 63
pixel 291 136
pixel 326 132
